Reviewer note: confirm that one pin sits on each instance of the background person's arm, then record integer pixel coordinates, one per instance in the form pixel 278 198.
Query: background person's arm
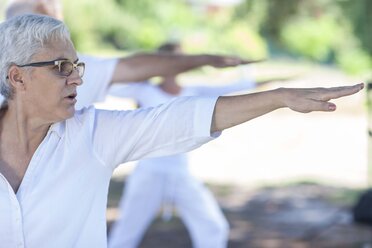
pixel 234 110
pixel 140 67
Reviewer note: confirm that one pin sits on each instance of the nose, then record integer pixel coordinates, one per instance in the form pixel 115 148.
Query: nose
pixel 74 78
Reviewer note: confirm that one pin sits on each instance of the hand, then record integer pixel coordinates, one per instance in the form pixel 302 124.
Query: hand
pixel 316 99
pixel 228 61
pixel 246 62
pixel 234 110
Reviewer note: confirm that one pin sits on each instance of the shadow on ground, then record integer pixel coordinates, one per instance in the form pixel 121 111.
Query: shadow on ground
pixel 298 215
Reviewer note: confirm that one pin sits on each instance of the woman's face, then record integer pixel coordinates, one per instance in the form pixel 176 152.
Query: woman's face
pixel 47 94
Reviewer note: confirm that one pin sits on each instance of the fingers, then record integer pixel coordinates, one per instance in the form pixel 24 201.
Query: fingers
pixel 235 61
pixel 337 92
pixel 323 106
pixel 245 62
pixel 314 105
pixel 230 61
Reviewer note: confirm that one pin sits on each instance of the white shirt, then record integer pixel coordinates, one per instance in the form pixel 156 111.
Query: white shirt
pixel 97 77
pixel 149 95
pixel 61 201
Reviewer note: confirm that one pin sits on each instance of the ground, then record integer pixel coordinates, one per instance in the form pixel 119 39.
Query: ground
pixel 299 216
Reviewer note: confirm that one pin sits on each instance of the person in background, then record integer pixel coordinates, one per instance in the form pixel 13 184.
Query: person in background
pixel 103 72
pixel 166 182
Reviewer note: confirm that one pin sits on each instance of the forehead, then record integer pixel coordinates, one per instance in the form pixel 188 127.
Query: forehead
pixel 57 49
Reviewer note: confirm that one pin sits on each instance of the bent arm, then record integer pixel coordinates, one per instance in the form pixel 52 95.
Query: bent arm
pixel 140 67
pixel 234 110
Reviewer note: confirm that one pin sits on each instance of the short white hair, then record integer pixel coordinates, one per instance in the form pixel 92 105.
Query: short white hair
pixel 21 38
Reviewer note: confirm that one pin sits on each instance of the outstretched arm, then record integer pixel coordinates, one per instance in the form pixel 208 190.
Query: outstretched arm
pixel 140 67
pixel 234 110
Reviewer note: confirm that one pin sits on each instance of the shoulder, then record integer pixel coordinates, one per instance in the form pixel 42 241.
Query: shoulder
pixel 76 127
pixel 82 120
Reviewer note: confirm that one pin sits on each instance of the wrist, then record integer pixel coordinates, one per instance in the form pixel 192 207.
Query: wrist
pixel 205 59
pixel 281 96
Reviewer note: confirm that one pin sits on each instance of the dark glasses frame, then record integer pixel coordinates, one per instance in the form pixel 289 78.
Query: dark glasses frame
pixel 79 66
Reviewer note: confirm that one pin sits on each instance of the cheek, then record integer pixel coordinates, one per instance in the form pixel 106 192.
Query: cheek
pixel 47 94
pixel 44 87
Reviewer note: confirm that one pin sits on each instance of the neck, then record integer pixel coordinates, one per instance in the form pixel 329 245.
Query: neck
pixel 170 85
pixel 19 129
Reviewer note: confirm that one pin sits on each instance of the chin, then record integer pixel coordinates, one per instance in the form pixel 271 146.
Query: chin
pixel 66 114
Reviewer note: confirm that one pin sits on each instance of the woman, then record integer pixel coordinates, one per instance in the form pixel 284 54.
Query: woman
pixel 56 163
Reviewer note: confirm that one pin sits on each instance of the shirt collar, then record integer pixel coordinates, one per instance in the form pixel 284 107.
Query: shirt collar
pixel 58 128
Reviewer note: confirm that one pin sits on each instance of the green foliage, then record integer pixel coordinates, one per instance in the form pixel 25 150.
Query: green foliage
pixel 354 60
pixel 241 40
pixel 143 24
pixel 327 31
pixel 125 24
pixel 2 8
pixel 311 38
pixel 360 15
pixel 332 31
pixel 254 13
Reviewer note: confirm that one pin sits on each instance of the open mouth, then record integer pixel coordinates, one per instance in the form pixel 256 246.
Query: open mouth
pixel 72 96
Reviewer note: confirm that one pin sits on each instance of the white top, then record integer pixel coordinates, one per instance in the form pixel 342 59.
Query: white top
pixel 62 199
pixel 148 95
pixel 97 77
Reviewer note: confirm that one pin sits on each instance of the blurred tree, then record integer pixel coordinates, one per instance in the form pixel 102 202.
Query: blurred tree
pixel 2 8
pixel 327 31
pixel 360 15
pixel 126 24
pixel 331 31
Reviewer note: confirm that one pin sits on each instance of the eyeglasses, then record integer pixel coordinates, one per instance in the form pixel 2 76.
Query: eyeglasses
pixel 65 67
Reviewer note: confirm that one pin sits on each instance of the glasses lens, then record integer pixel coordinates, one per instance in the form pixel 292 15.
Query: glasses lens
pixel 81 68
pixel 66 68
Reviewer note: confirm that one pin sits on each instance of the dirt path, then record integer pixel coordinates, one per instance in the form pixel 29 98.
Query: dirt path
pixel 299 216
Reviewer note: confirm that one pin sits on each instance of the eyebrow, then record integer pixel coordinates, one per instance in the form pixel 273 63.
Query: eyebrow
pixel 61 58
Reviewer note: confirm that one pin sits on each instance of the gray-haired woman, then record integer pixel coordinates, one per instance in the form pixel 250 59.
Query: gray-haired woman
pixel 56 163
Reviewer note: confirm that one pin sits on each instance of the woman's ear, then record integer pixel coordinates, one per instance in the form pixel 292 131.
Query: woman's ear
pixel 15 78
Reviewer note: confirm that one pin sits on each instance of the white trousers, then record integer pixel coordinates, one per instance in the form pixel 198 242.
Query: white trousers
pixel 147 191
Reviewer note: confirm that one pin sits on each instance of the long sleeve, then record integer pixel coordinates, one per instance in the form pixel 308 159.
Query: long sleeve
pixel 179 126
pixel 97 78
